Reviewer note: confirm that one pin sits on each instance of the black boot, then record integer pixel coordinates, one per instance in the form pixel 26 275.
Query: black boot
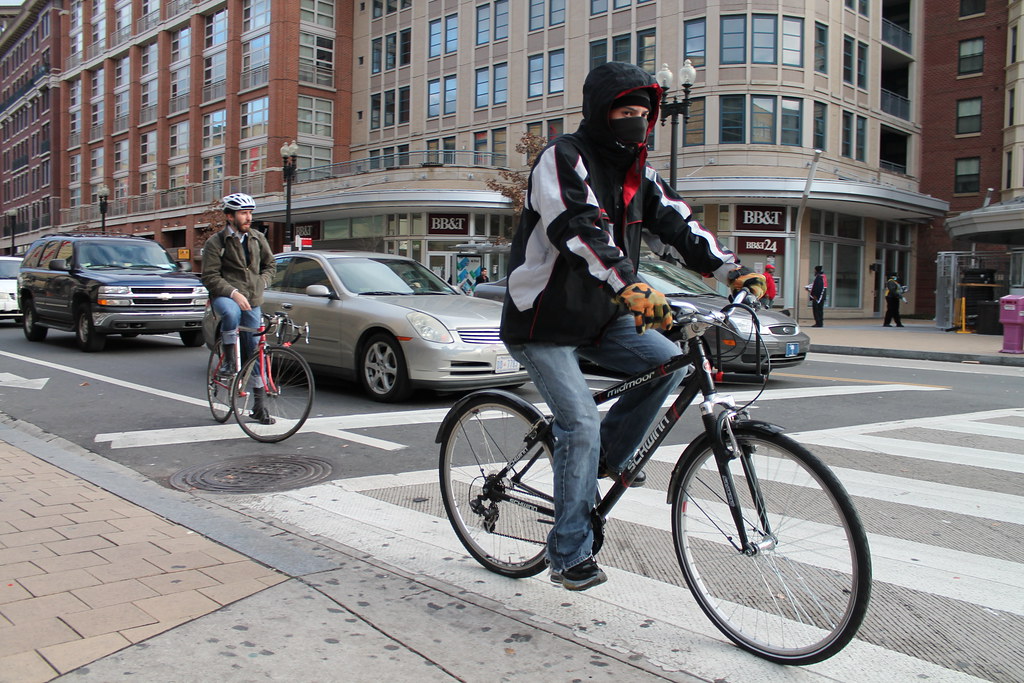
pixel 229 365
pixel 259 410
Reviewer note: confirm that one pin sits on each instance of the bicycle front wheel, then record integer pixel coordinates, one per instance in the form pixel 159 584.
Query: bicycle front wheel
pixel 798 593
pixel 218 390
pixel 273 394
pixel 496 481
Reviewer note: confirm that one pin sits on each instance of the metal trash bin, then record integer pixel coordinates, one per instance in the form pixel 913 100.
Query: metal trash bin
pixel 1011 315
pixel 988 318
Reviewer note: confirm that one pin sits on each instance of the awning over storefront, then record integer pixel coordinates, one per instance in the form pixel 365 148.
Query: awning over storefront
pixel 1001 223
pixel 347 203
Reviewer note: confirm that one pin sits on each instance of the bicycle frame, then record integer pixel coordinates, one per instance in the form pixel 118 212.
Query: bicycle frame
pixel 716 424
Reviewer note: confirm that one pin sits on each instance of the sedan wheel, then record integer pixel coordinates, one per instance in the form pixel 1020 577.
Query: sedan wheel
pixel 382 370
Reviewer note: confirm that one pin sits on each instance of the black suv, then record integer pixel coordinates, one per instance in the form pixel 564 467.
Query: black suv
pixel 95 285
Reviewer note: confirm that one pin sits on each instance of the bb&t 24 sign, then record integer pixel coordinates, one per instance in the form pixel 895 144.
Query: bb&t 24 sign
pixel 762 245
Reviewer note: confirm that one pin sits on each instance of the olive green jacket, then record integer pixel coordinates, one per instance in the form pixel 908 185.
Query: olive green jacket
pixel 225 270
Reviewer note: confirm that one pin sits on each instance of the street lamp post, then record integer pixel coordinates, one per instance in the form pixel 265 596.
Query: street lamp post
pixel 289 151
pixel 666 79
pixel 102 192
pixel 12 216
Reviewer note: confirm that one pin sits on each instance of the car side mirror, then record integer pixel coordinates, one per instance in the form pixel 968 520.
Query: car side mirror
pixel 185 266
pixel 318 290
pixel 58 264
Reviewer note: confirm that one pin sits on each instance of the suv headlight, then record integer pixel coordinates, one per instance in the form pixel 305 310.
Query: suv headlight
pixel 430 328
pixel 107 291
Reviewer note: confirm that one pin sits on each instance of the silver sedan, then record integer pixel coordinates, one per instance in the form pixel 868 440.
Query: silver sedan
pixel 390 323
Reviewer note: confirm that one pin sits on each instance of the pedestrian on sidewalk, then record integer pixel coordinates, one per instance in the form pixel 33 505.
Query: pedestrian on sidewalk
pixel 816 292
pixel 893 297
pixel 573 291
pixel 770 289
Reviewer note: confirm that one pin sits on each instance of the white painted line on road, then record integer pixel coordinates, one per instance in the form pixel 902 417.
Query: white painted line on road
pixel 631 613
pixel 957 455
pixel 912 364
pixel 110 380
pixel 15 382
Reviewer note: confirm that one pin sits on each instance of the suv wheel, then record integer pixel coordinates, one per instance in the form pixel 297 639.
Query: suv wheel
pixel 85 333
pixel 191 338
pixel 33 331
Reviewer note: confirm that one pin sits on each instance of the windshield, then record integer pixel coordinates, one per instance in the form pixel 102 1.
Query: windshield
pixel 388 276
pixel 673 280
pixel 124 256
pixel 9 270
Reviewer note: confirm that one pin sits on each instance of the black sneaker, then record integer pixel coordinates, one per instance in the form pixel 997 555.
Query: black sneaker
pixel 580 577
pixel 605 473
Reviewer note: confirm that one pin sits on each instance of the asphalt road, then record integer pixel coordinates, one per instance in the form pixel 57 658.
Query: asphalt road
pixel 941 497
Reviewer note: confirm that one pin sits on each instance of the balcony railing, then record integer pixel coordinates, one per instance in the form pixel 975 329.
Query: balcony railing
pixel 895 104
pixel 177 7
pixel 95 50
pixel 316 75
pixel 96 132
pixel 147 114
pixel 255 77
pixel 120 123
pixel 896 35
pixel 147 22
pixel 38 72
pixel 892 167
pixel 121 36
pixel 415 159
pixel 214 91
pixel 72 61
pixel 178 103
pixel 74 139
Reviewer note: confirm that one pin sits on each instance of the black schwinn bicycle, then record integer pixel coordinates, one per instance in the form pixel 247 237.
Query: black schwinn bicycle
pixel 767 538
pixel 278 371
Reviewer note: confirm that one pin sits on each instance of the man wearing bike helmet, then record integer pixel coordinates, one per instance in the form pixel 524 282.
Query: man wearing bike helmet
pixel 238 264
pixel 573 292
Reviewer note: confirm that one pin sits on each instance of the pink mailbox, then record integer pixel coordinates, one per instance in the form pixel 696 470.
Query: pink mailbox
pixel 1011 315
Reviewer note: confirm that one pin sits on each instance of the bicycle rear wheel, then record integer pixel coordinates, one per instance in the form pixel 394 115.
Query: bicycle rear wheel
pixel 801 595
pixel 218 390
pixel 499 503
pixel 287 394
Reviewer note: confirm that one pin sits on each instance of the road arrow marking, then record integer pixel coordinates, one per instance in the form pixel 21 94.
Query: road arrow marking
pixel 9 380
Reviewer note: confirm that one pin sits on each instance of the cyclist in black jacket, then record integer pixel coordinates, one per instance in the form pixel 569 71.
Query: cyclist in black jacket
pixel 573 292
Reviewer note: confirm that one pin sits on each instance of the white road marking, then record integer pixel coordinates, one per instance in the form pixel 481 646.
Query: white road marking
pixel 15 382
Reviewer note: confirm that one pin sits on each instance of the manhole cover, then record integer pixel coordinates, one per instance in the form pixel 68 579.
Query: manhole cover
pixel 254 474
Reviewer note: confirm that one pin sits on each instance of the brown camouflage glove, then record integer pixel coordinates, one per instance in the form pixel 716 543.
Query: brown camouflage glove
pixel 744 277
pixel 649 308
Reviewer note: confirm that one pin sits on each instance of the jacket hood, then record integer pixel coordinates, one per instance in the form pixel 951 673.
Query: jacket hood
pixel 605 84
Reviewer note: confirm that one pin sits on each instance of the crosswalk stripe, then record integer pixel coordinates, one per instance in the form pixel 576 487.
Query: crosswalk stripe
pixel 957 455
pixel 631 610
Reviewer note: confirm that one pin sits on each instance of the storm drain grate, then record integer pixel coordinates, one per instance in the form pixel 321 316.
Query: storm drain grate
pixel 254 474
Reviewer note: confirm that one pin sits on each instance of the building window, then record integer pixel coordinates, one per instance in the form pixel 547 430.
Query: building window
pixel 971 7
pixel 389 107
pixel 482 92
pixel 733 119
pixel 434 38
pixel 846 148
pixel 860 5
pixel 861 142
pixel 121 161
pixel 217 28
pixel 536 15
pixel 556 12
pixel 451 94
pixel 213 168
pixel 178 139
pixel 968 116
pixel 181 44
pixel 1012 53
pixel 451 33
pixel 695 41
pixel 821 48
pixel 1009 171
pixel 404 104
pixel 792 41
pixel 375 109
pixel 791 121
pixel 820 125
pixel 646 50
pixel 213 128
pixel 734 40
pixel 972 56
pixel 848 47
pixel 862 65
pixel 763 37
pixel 319 12
pixel 501 20
pixel 147 148
pixel 434 97
pixel 483 24
pixel 762 120
pixel 968 176
pixel 622 48
pixel 254 117
pixel 556 71
pixel 251 159
pixel 1011 107
pixel 500 83
pixel 390 50
pixel 693 131
pixel 535 76
pixel 255 14
pixel 598 53
pixel 598 6
pixel 316 59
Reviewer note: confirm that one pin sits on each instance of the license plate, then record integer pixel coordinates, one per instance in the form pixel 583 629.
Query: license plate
pixel 792 349
pixel 505 364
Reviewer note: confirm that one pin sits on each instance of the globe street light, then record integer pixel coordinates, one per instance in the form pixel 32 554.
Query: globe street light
pixel 289 151
pixel 666 79
pixel 102 192
pixel 12 216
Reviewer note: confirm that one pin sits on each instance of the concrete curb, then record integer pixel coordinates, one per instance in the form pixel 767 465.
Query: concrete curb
pixel 943 356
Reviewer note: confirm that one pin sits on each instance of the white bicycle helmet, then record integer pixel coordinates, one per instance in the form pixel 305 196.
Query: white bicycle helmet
pixel 239 202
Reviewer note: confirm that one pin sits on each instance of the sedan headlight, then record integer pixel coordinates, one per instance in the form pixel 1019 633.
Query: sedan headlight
pixel 430 328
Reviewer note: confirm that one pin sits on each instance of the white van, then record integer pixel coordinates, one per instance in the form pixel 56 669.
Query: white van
pixel 9 287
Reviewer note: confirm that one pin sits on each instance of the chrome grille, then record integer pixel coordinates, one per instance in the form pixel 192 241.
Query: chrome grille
pixel 163 297
pixel 484 336
pixel 783 330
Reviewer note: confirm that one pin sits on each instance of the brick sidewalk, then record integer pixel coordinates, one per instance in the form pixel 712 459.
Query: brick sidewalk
pixel 84 573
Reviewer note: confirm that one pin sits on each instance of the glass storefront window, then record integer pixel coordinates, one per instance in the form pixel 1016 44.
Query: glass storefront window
pixel 337 229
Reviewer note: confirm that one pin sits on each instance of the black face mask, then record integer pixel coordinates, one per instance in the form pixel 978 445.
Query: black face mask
pixel 631 130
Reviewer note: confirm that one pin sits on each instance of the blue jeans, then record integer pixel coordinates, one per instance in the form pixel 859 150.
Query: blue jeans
pixel 580 434
pixel 231 316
